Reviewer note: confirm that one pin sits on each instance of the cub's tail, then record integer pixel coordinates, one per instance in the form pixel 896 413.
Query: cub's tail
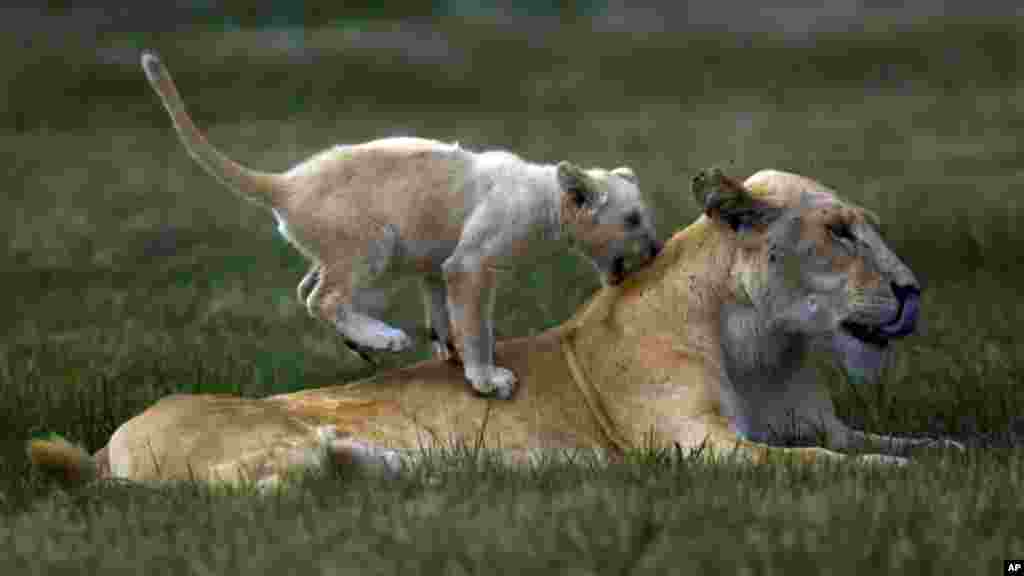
pixel 262 188
pixel 57 458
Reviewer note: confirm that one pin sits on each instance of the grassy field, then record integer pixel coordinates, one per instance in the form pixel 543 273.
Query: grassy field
pixel 130 273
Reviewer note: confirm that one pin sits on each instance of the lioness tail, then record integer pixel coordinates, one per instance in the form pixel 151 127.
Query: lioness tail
pixel 57 458
pixel 259 187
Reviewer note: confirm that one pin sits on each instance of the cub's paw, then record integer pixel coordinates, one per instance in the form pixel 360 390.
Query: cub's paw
pixel 398 342
pixel 388 339
pixel 493 381
pixel 393 340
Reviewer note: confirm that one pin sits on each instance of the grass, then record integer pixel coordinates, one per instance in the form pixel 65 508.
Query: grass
pixel 653 516
pixel 130 274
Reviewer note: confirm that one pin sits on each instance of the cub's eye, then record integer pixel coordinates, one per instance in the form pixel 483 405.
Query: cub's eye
pixel 632 220
pixel 841 231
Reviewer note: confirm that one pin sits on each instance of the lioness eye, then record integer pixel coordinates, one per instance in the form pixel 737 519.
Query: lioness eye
pixel 632 219
pixel 841 231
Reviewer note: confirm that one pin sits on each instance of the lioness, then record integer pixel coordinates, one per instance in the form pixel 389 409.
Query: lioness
pixel 367 213
pixel 708 347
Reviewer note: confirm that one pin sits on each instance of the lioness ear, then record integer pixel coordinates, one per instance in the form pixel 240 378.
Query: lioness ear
pixel 726 199
pixel 627 173
pixel 579 187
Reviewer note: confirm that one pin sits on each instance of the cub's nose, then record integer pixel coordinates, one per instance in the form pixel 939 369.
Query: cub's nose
pixel 654 248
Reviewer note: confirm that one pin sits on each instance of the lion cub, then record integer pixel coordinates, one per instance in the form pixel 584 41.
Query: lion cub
pixel 372 211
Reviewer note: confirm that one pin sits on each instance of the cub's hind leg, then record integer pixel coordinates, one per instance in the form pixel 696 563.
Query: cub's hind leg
pixel 332 299
pixel 309 281
pixel 305 290
pixel 435 301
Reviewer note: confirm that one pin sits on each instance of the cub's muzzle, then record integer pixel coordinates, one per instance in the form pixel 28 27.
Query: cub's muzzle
pixel 654 248
pixel 617 271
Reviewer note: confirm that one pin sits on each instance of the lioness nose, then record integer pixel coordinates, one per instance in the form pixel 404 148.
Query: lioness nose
pixel 905 322
pixel 905 291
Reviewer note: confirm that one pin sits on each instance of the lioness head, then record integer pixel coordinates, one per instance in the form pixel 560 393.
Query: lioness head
pixel 813 264
pixel 606 219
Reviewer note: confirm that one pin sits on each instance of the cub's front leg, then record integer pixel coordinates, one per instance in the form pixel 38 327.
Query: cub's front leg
pixel 471 288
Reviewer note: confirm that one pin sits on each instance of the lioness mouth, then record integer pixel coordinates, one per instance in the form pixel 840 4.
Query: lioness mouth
pixel 903 325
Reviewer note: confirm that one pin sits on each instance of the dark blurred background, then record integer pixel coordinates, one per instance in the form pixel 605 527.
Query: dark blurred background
pixel 794 17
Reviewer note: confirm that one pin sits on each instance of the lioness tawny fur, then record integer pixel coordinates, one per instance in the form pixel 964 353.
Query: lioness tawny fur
pixel 707 349
pixel 369 212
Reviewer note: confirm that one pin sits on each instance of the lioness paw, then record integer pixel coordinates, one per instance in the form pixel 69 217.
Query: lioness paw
pixel 493 381
pixel 942 444
pixel 946 443
pixel 882 460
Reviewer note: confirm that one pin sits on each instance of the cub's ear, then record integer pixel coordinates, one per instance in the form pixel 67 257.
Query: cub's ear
pixel 580 188
pixel 727 200
pixel 627 173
